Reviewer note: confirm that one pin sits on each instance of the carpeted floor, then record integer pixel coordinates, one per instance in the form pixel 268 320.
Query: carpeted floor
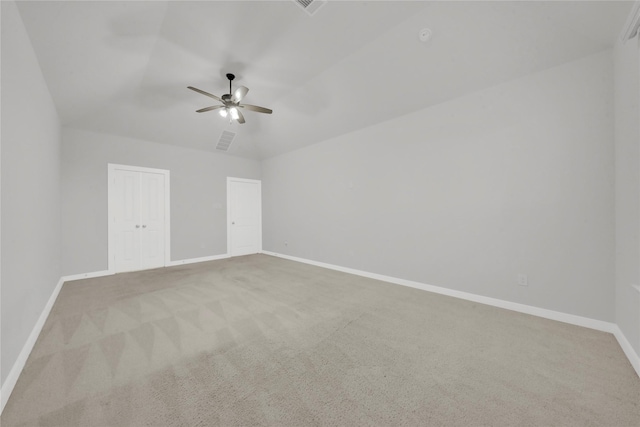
pixel 259 340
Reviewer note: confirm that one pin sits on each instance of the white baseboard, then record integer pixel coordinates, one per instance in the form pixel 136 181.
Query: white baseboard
pixel 86 275
pixel 633 357
pixel 16 370
pixel 170 264
pixel 14 374
pixel 522 308
pixel 194 260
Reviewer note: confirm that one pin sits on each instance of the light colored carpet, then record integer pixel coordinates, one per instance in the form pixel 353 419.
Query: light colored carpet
pixel 259 340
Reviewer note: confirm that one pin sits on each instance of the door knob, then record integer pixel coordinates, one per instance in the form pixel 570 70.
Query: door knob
pixel 137 225
pixel 144 226
pixel 233 223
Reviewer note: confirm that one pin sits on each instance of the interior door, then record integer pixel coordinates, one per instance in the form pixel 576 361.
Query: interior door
pixel 151 220
pixel 244 198
pixel 126 220
pixel 138 218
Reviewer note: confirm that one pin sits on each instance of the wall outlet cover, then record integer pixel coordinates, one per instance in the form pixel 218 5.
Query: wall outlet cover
pixel 522 280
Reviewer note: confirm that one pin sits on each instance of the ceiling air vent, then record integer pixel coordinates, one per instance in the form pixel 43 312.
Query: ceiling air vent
pixel 226 138
pixel 310 6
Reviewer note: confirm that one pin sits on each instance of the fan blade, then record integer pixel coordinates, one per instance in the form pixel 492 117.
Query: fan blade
pixel 256 108
pixel 204 93
pixel 240 117
pixel 215 107
pixel 239 93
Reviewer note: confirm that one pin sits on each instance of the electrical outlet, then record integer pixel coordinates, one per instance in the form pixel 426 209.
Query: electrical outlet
pixel 522 280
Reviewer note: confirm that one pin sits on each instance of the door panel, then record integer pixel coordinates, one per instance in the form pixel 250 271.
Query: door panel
pixel 129 246
pixel 126 215
pixel 152 219
pixel 245 226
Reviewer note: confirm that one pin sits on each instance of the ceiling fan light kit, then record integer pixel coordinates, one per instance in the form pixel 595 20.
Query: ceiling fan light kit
pixel 225 112
pixel 231 102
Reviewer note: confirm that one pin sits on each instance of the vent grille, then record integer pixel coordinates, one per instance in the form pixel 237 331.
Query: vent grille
pixel 226 138
pixel 310 6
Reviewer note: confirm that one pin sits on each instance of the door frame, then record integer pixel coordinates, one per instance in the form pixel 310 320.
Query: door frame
pixel 245 180
pixel 111 168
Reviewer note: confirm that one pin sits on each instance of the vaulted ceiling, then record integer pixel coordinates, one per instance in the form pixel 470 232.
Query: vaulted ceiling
pixel 123 67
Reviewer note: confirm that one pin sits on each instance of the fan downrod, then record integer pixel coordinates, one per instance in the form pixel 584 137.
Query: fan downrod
pixel 230 77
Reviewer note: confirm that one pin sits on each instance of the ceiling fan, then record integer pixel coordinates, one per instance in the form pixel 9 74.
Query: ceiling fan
pixel 231 103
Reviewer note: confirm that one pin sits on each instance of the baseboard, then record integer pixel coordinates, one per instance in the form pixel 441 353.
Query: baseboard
pixel 572 319
pixel 522 308
pixel 16 370
pixel 86 275
pixel 194 260
pixel 170 264
pixel 631 354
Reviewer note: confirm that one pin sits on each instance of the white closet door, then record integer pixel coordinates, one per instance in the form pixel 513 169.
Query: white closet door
pixel 138 206
pixel 126 220
pixel 152 220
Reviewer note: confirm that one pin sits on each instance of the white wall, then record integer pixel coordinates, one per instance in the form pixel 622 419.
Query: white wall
pixel 30 189
pixel 514 179
pixel 198 195
pixel 627 189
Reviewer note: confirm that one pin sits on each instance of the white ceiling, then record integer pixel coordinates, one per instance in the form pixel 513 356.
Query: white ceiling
pixel 123 67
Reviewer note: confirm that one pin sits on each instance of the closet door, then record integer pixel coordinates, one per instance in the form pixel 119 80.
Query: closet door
pixel 138 218
pixel 151 220
pixel 126 220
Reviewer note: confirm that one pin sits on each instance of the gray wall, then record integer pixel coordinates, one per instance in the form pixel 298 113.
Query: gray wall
pixel 30 189
pixel 514 179
pixel 198 195
pixel 627 149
